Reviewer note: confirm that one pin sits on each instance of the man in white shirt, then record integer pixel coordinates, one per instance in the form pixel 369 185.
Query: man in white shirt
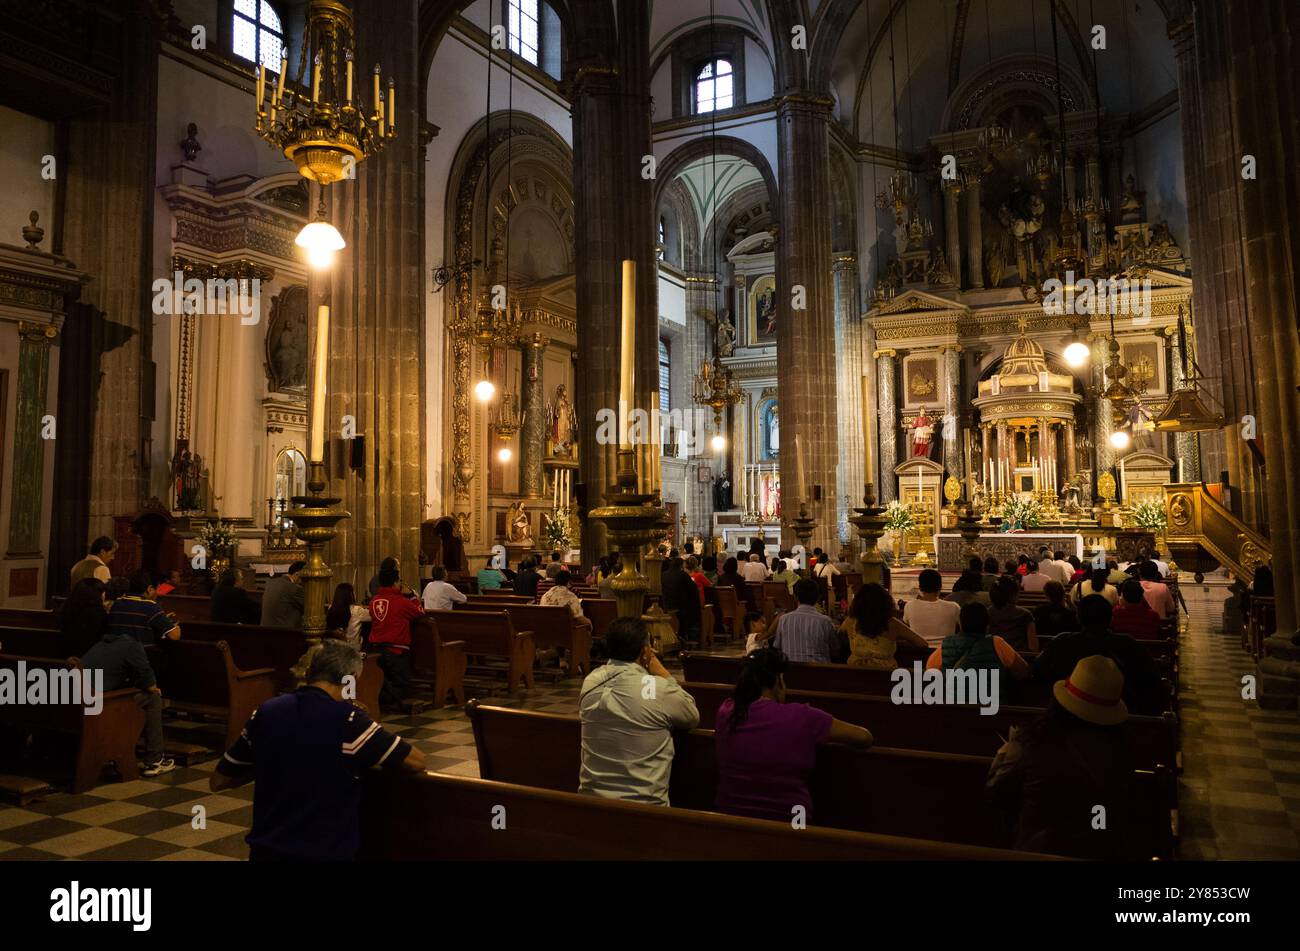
pixel 754 569
pixel 629 708
pixel 561 595
pixel 1064 571
pixel 1161 566
pixel 438 594
pixel 824 568
pixel 1034 579
pixel 928 615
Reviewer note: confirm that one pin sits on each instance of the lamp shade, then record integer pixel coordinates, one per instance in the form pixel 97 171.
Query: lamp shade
pixel 322 240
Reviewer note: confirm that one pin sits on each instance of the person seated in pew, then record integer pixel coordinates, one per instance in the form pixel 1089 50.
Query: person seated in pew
pixel 873 630
pixel 171 582
pixel 973 648
pixel 1057 568
pixel 697 575
pixel 372 587
pixel 1012 623
pixel 283 599
pixel 345 616
pixel 1094 636
pixel 138 615
pixel 562 596
pixel 554 566
pixel 1114 574
pixel 990 574
pixel 709 568
pixel 729 577
pixel 123 663
pixel 629 708
pixel 230 603
pixel 1011 569
pixel 1050 777
pixel 969 587
pixel 527 577
pixel 95 564
pixel 805 635
pixel 306 750
pixel 390 630
pixel 754 569
pixel 606 587
pixel 683 595
pixel 84 618
pixel 932 618
pixel 117 587
pixel 439 595
pixel 1099 584
pixel 1133 615
pixel 767 748
pixel 1033 580
pixel 1078 571
pixel 1022 565
pixel 824 568
pixel 1056 615
pixel 490 578
pixel 781 571
pixel 1157 592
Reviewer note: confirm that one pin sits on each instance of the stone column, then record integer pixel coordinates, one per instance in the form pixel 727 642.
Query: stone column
pixel 805 363
pixel 952 229
pixel 701 295
pixel 532 431
pixel 1004 454
pixel 1189 463
pixel 25 498
pixel 984 455
pixel 974 238
pixel 1069 451
pixel 848 392
pixel 1102 424
pixel 952 460
pixel 887 407
pixel 1265 99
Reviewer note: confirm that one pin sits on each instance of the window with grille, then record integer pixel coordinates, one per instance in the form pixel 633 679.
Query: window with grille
pixel 714 86
pixel 665 376
pixel 256 34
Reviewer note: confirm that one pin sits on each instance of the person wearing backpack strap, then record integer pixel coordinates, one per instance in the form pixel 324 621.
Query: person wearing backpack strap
pixel 973 648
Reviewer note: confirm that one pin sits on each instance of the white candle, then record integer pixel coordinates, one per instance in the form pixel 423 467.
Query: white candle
pixel 315 80
pixel 627 366
pixel 318 383
pixel 377 104
pixel 279 92
pixel 349 62
pixel 392 106
pixel 261 86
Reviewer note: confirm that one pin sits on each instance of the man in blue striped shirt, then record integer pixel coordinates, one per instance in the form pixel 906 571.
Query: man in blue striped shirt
pixel 805 635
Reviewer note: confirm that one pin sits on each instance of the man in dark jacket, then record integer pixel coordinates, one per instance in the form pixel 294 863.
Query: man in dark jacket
pixel 283 599
pixel 526 578
pixel 681 594
pixel 124 663
pixel 1141 679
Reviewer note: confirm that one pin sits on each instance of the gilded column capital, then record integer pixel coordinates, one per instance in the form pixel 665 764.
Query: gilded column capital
pixel 701 279
pixel 884 353
pixel 844 262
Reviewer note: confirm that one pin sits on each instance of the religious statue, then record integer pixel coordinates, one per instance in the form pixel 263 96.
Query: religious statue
pixel 291 353
pixel 563 424
pixel 1072 493
pixel 726 335
pixel 1130 203
pixel 922 433
pixel 722 494
pixel 187 468
pixel 190 146
pixel 519 530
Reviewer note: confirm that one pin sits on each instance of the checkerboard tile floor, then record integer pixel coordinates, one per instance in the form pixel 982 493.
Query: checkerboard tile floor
pixel 1239 794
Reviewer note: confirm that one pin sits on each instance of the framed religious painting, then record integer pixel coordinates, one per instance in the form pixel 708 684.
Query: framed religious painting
pixel 1145 359
pixel 921 383
pixel 762 310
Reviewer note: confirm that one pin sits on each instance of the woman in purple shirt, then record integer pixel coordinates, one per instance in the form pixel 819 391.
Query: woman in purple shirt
pixel 767 748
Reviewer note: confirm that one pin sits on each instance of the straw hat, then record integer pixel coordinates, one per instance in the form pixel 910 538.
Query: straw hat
pixel 1093 691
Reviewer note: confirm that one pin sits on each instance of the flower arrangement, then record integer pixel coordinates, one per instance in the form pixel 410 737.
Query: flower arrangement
pixel 217 536
pixel 1025 513
pixel 557 529
pixel 898 518
pixel 1149 513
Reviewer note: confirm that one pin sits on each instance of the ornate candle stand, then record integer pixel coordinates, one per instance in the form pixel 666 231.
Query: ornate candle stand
pixel 968 526
pixel 315 521
pixel 870 523
pixel 803 526
pixel 633 519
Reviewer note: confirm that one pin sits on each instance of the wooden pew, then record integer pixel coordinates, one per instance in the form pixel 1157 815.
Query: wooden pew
pixel 370 685
pixel 911 793
pixel 948 728
pixel 491 633
pixel 30 642
pixel 202 678
pixel 431 816
pixel 254 647
pixel 18 617
pixel 551 627
pixel 438 662
pixel 601 612
pixel 108 737
pixel 502 597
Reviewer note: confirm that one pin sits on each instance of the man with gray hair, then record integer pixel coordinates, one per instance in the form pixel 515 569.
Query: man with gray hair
pixel 306 751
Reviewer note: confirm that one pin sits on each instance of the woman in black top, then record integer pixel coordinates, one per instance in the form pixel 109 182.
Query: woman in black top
pixel 1056 615
pixel 84 618
pixel 231 603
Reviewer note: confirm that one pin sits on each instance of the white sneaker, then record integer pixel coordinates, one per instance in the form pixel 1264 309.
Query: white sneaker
pixel 157 769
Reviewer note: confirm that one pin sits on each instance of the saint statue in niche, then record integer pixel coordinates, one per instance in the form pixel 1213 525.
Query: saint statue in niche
pixel 286 340
pixel 922 433
pixel 563 424
pixel 772 430
pixel 519 529
pixel 726 335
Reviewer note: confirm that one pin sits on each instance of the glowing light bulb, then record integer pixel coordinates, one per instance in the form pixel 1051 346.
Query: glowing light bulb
pixel 322 240
pixel 719 443
pixel 484 390
pixel 1076 354
pixel 1120 439
pixel 504 454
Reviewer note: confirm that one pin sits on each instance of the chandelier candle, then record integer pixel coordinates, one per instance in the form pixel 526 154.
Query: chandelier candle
pixel 626 366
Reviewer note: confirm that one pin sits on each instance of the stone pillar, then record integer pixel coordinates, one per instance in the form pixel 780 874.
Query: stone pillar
pixel 701 295
pixel 1102 424
pixel 952 460
pixel 805 363
pixel 1189 463
pixel 25 498
pixel 952 230
pixel 974 238
pixel 1261 39
pixel 984 456
pixel 848 392
pixel 1069 451
pixel 532 431
pixel 887 408
pixel 1212 153
pixel 1004 455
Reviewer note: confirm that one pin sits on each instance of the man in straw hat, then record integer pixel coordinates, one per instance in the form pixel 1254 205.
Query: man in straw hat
pixel 1066 780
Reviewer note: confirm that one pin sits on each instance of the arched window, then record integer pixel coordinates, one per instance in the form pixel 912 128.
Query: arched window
pixel 714 86
pixel 663 238
pixel 290 474
pixel 256 34
pixel 533 31
pixel 665 376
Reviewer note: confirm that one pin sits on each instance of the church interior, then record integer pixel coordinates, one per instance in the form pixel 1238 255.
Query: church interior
pixel 824 296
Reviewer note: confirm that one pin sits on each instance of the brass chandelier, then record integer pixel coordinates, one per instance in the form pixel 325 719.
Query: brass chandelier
pixel 319 121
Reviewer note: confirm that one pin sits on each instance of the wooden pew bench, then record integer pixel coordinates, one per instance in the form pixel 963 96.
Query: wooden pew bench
pixel 551 627
pixel 202 678
pixel 254 647
pixel 19 617
pixel 439 663
pixel 431 816
pixel 910 793
pixel 106 738
pixel 490 634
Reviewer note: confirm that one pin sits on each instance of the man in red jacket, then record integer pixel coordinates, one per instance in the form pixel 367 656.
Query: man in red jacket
pixel 1133 615
pixel 391 614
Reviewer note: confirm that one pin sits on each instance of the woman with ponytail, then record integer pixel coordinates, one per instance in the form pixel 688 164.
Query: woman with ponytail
pixel 766 747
